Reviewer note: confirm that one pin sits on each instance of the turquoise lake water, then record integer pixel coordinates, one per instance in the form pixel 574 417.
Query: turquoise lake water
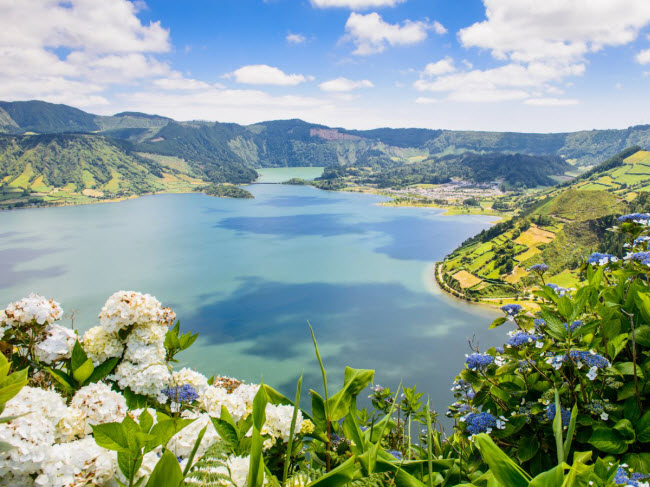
pixel 249 274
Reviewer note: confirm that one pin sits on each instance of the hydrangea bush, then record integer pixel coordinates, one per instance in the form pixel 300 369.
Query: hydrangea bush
pixel 563 402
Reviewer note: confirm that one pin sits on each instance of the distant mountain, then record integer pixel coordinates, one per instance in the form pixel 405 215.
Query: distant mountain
pixel 298 143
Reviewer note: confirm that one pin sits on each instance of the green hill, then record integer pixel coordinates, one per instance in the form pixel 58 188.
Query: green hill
pixel 79 168
pixel 294 142
pixel 560 227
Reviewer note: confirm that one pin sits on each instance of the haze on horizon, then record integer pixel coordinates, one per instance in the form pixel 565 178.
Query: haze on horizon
pixel 515 65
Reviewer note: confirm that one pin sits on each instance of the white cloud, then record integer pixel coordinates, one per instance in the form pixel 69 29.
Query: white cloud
pixel 179 83
pixel 438 28
pixel 643 57
pixel 344 84
pixel 262 74
pixel 551 102
pixel 509 82
pixel 355 4
pixel 371 34
pixel 541 43
pixel 526 31
pixel 105 43
pixel 424 100
pixel 295 38
pixel 443 66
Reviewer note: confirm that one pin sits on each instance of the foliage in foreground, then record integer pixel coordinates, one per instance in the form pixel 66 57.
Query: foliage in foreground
pixel 563 403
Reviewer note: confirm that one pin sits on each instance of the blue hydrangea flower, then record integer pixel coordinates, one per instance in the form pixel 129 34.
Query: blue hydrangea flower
pixel 181 394
pixel 521 338
pixel 461 386
pixel 642 257
pixel 601 259
pixel 635 217
pixel 499 349
pixel 641 240
pixel 397 454
pixel 479 423
pixel 560 291
pixel 550 414
pixel 556 361
pixel 589 359
pixel 511 309
pixel 539 268
pixel 621 478
pixel 539 322
pixel 478 361
pixel 574 326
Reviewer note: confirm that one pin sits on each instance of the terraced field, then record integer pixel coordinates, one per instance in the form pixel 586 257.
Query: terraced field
pixel 633 175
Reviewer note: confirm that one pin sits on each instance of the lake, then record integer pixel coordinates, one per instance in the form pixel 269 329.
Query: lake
pixel 249 274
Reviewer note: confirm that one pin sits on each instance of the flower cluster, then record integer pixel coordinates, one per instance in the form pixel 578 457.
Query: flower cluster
pixel 551 411
pixel 511 310
pixel 632 480
pixel 521 338
pixel 145 322
pixel 181 394
pixel 41 448
pixel 56 343
pixel 642 218
pixel 33 308
pixel 641 257
pixel 601 259
pixel 574 326
pixel 477 423
pixel 560 291
pixel 478 361
pixel 539 268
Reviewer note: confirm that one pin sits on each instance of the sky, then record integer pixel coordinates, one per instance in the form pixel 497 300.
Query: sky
pixel 516 65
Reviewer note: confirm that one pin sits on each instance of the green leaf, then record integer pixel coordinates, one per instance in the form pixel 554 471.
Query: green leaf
pixel 570 431
pixel 227 433
pixel 626 430
pixel 642 335
pixel 197 443
pixel 498 322
pixel 64 380
pixel 503 468
pixel 167 472
pixel 102 370
pixel 643 428
pixel 557 428
pixel 554 325
pixel 146 421
pixel 12 384
pixel 111 436
pixel 83 372
pixel 338 477
pixel 550 478
pixel 163 431
pixel 355 380
pixel 528 448
pixel 608 440
pixel 79 356
pixel 294 419
pixel 318 410
pixel 256 465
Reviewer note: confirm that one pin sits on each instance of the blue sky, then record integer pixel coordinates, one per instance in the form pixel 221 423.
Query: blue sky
pixel 517 65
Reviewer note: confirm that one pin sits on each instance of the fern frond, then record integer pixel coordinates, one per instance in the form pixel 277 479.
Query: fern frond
pixel 211 469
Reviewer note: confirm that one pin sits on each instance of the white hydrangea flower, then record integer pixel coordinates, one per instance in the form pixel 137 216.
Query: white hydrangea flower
pixel 191 377
pixel 239 403
pixel 145 379
pixel 278 421
pixel 100 404
pixel 33 432
pixel 238 467
pixel 77 463
pixel 101 345
pixel 32 308
pixel 58 344
pixel 72 425
pixel 126 308
pixel 182 443
pixel 139 353
pixel 148 333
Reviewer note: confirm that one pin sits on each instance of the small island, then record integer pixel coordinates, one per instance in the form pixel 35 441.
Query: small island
pixel 225 191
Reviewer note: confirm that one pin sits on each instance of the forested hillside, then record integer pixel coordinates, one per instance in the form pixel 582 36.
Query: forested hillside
pixel 559 228
pixel 294 142
pixel 72 168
